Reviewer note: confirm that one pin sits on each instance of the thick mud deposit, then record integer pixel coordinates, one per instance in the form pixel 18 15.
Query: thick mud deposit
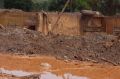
pixel 95 47
pixel 41 67
pixel 48 75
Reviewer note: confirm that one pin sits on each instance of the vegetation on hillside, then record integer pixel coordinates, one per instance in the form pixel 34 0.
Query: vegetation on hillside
pixel 1 3
pixel 108 7
pixel 25 5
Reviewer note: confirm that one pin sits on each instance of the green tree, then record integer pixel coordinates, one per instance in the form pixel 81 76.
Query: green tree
pixel 83 4
pixel 109 7
pixel 1 3
pixel 74 5
pixel 41 5
pixel 57 5
pixel 25 5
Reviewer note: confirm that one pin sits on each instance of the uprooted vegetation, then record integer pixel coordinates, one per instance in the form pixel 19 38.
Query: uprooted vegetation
pixel 95 47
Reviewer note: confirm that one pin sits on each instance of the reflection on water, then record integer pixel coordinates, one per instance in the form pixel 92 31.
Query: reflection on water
pixel 45 75
pixel 49 75
pixel 14 72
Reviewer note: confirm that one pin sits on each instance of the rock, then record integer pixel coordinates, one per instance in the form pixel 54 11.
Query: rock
pixel 108 44
pixel 2 27
pixel 46 65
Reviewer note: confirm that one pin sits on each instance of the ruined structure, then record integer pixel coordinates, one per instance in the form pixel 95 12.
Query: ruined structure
pixel 67 24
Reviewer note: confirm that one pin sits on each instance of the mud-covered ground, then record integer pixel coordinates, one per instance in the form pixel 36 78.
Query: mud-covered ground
pixel 46 67
pixel 95 47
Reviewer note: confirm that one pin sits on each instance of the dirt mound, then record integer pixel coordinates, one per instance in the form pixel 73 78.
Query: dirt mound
pixel 96 47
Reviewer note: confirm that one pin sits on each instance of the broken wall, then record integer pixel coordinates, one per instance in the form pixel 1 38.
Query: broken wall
pixel 93 24
pixel 68 23
pixel 112 24
pixel 20 19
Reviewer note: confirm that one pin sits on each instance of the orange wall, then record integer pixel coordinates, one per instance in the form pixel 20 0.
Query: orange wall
pixel 15 18
pixel 69 23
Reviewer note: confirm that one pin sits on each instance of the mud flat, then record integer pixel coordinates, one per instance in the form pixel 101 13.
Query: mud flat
pixel 27 54
pixel 47 67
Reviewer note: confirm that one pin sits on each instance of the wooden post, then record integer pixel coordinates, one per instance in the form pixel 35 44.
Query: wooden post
pixel 39 22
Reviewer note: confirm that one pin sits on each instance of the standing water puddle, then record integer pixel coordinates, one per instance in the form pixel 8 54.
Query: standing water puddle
pixel 48 75
pixel 14 72
pixel 44 75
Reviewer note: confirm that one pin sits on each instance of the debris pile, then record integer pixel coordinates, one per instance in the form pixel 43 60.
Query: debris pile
pixel 95 47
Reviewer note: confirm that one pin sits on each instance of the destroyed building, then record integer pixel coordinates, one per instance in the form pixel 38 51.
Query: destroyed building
pixel 66 23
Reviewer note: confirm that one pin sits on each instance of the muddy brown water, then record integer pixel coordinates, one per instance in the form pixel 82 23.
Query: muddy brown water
pixel 52 68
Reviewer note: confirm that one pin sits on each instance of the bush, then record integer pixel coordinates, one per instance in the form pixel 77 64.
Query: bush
pixel 25 5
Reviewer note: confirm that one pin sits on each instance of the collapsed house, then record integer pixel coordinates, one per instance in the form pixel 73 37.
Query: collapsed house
pixel 61 23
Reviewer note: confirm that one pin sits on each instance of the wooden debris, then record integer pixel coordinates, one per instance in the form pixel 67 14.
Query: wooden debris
pixel 2 27
pixel 109 61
